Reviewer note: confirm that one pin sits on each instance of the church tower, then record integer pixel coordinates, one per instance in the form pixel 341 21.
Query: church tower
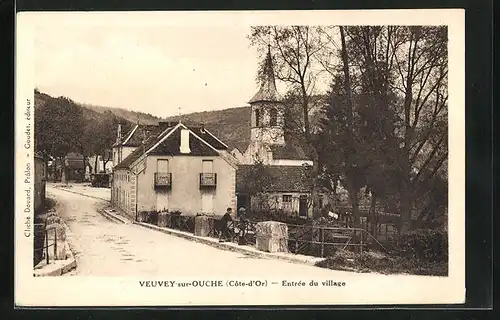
pixel 268 110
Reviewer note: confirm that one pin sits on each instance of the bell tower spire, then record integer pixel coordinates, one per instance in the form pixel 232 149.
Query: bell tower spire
pixel 267 127
pixel 267 91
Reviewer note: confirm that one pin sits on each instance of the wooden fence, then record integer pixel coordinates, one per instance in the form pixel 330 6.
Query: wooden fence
pixel 314 240
pixel 322 241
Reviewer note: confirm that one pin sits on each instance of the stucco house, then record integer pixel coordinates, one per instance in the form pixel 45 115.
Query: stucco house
pixel 75 165
pixel 176 168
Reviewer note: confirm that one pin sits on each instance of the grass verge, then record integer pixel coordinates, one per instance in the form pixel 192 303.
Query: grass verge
pixel 376 262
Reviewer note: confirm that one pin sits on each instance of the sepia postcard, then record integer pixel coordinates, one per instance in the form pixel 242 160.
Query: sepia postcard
pixel 240 158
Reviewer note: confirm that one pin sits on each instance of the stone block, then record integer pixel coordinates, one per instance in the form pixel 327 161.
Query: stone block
pixel 56 231
pixel 201 226
pixel 271 236
pixel 162 219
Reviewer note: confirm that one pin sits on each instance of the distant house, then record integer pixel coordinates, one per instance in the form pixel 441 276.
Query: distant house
pixel 97 164
pixel 288 190
pixel 176 168
pixel 74 166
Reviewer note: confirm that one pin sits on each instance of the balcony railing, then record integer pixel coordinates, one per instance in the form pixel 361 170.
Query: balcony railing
pixel 208 180
pixel 163 179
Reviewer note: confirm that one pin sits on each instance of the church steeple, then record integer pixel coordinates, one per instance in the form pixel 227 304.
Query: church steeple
pixel 267 91
pixel 268 111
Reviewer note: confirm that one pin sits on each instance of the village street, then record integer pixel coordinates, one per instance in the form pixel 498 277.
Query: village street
pixel 106 248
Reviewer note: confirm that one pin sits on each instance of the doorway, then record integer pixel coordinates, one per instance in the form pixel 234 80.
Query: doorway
pixel 207 202
pixel 303 206
pixel 242 201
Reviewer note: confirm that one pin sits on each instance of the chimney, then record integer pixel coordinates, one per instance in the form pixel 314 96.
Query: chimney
pixel 202 129
pixel 119 133
pixel 184 147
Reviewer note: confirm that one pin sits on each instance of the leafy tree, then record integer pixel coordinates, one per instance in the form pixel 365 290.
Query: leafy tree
pixel 59 126
pixel 394 81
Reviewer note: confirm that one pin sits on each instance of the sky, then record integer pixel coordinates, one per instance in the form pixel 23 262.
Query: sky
pixel 166 63
pixel 159 70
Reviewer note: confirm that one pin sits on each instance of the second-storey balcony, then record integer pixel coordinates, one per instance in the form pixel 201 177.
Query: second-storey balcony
pixel 163 180
pixel 208 180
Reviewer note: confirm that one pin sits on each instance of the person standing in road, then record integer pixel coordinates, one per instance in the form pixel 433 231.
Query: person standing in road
pixel 226 218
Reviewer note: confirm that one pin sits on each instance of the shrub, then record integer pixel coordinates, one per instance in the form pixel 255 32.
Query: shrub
pixel 423 245
pixel 150 217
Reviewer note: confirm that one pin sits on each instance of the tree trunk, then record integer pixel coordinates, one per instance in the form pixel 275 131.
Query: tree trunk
pixel 373 215
pixel 84 166
pixel 63 171
pixel 96 163
pixel 406 208
pixel 353 201
pixel 104 162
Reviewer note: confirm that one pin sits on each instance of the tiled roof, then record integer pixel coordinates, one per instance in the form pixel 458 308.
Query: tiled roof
pixel 292 150
pixel 170 146
pixel 137 153
pixel 208 137
pixel 282 178
pixel 142 132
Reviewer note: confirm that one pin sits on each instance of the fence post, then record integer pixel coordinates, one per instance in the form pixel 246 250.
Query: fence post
pixel 47 245
pixel 322 230
pixel 55 244
pixel 296 238
pixel 361 237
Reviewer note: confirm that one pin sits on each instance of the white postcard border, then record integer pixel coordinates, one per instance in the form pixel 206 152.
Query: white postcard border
pixel 360 289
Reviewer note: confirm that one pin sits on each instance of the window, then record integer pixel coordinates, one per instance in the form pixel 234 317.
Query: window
pixel 257 118
pixel 273 117
pixel 287 202
pixel 162 165
pixel 207 166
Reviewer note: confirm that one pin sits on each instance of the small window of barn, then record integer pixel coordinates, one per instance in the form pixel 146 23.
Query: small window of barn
pixel 287 198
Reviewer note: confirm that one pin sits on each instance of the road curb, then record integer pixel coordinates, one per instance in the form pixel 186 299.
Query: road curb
pixel 232 246
pixel 81 194
pixel 112 217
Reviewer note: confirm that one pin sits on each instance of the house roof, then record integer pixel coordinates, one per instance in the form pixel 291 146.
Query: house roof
pixel 166 141
pixel 282 178
pixel 137 134
pixel 292 150
pixel 267 91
